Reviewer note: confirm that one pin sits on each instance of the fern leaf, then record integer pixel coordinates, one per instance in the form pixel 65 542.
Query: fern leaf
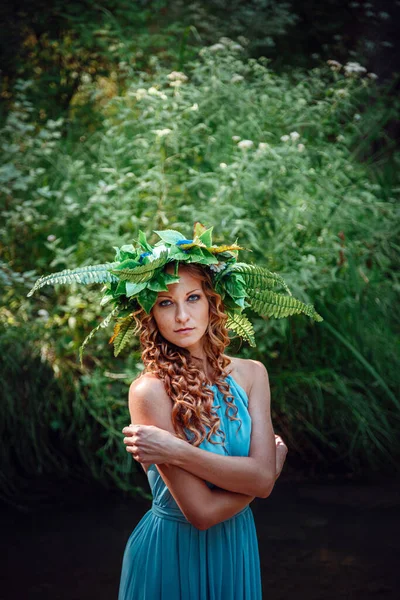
pixel 143 273
pixel 219 249
pixel 239 323
pixel 85 275
pixel 259 277
pixel 123 332
pixel 271 304
pixel 101 325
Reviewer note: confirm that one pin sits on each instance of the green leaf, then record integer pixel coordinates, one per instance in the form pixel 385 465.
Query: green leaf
pixel 134 288
pixel 239 323
pixel 90 274
pixel 101 325
pixel 170 236
pixel 206 237
pixel 271 304
pixel 146 299
pixel 143 272
pixel 258 277
pixel 143 242
pixel 125 330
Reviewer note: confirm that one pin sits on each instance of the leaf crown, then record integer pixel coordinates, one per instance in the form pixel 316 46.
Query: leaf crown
pixel 138 274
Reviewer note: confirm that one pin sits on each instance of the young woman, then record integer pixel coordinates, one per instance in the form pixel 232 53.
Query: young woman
pixel 201 429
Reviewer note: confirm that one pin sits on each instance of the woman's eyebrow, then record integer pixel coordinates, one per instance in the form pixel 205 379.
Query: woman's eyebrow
pixel 187 293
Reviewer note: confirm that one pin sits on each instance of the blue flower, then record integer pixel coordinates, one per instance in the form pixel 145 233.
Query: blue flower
pixel 143 255
pixel 180 242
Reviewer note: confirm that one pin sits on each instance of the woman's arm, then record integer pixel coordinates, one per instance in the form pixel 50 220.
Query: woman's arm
pixel 254 475
pixel 202 506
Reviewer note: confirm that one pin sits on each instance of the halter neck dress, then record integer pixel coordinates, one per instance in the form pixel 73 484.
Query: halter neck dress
pixel 167 558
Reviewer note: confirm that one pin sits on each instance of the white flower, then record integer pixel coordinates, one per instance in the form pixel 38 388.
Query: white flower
pixel 236 47
pixel 372 75
pixel 354 68
pixel 153 91
pixel 342 93
pixel 223 165
pixel 51 238
pixel 225 40
pixel 245 144
pixel 285 138
pixel 334 65
pixel 263 146
pixel 140 93
pixel 162 132
pixel 218 267
pixel 236 138
pixel 86 78
pixel 294 135
pixel 216 47
pixel 340 138
pixel 357 117
pixel 43 314
pixel 300 147
pixel 177 76
pixel 236 78
pixel 195 106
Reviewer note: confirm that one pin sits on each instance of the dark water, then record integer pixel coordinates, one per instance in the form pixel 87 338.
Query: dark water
pixel 317 541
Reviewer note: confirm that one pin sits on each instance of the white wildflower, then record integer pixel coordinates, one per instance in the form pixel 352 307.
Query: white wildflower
pixel 340 138
pixel 140 93
pixel 372 76
pixel 334 65
pixel 218 267
pixel 236 78
pixel 223 165
pixel 354 68
pixel 236 138
pixel 177 76
pixel 225 40
pixel 236 47
pixel 86 78
pixel 245 144
pixel 43 314
pixel 285 138
pixel 216 47
pixel 162 132
pixel 176 83
pixel 263 146
pixel 294 135
pixel 152 91
pixel 243 40
pixel 357 117
pixel 342 93
pixel 194 106
pixel 301 147
pixel 51 238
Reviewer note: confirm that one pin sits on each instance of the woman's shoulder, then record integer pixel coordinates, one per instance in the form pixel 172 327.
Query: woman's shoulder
pixel 244 371
pixel 149 385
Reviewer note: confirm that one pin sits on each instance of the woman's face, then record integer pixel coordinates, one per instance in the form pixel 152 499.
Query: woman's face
pixel 182 313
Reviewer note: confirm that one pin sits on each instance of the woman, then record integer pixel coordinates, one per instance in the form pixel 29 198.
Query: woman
pixel 202 421
pixel 198 541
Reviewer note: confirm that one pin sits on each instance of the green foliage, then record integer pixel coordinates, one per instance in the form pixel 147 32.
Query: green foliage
pixel 297 168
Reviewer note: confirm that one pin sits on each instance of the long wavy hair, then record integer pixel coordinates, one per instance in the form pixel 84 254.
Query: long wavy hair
pixel 184 382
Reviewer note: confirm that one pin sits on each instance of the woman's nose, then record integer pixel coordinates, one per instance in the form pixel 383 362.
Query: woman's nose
pixel 181 314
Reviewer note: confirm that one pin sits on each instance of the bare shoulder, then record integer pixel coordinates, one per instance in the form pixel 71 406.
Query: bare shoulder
pixel 149 403
pixel 247 371
pixel 147 386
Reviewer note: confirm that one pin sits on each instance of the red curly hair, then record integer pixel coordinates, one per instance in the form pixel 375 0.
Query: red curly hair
pixel 184 382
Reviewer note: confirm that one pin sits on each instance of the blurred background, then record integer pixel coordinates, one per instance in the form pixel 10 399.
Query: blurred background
pixel 275 122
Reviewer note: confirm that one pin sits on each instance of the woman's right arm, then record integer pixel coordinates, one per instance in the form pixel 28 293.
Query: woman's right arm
pixel 203 507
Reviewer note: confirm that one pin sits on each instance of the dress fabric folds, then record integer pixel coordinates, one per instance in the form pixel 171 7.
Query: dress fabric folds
pixel 167 558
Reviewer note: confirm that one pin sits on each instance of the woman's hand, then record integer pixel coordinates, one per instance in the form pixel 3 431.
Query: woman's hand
pixel 281 452
pixel 150 445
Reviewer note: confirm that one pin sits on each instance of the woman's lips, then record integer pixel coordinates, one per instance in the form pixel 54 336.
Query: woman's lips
pixel 187 330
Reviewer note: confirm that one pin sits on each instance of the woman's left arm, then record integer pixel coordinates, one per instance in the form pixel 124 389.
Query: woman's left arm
pixel 253 475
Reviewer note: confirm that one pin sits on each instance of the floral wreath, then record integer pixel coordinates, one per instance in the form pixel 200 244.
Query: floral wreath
pixel 138 275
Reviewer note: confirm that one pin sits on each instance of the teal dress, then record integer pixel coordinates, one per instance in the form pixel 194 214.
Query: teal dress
pixel 167 558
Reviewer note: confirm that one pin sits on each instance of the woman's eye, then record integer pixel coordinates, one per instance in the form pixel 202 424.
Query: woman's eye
pixel 196 296
pixel 191 298
pixel 163 303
